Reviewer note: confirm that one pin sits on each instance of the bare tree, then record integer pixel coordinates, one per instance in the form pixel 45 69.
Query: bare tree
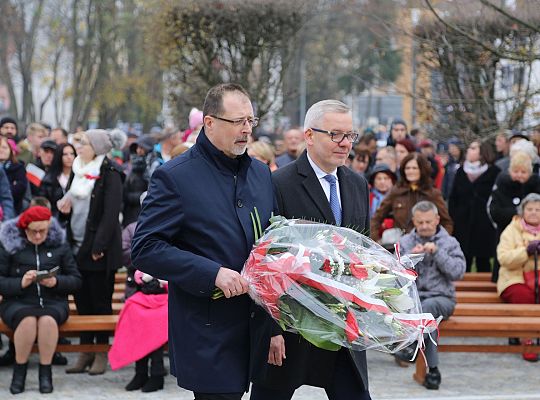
pixel 19 21
pixel 202 43
pixel 481 59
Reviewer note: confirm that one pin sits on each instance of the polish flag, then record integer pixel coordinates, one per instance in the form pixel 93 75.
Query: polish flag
pixel 34 174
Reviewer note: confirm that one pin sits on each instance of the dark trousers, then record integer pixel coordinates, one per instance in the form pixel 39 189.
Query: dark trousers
pixel 95 298
pixel 345 385
pixel 156 364
pixel 218 396
pixel 482 263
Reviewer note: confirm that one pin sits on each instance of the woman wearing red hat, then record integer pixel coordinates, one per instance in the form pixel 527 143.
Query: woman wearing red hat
pixel 35 303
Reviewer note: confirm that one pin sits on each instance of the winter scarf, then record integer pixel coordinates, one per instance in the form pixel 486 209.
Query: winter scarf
pixel 474 169
pixel 85 176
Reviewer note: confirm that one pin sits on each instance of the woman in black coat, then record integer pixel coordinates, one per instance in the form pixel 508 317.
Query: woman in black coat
pixel 510 188
pixel 134 186
pixel 467 206
pixel 54 183
pixel 15 172
pixel 33 306
pixel 92 203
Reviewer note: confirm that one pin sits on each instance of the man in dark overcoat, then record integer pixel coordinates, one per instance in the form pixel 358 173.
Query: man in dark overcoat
pixel 316 187
pixel 196 230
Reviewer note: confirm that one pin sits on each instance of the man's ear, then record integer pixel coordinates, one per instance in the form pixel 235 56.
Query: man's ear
pixel 308 136
pixel 208 122
pixel 438 219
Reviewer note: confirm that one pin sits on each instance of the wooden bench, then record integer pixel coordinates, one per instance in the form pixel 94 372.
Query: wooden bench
pixel 116 308
pixel 479 313
pixel 74 326
pixel 81 323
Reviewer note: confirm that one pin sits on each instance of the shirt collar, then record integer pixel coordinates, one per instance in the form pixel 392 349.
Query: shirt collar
pixel 318 171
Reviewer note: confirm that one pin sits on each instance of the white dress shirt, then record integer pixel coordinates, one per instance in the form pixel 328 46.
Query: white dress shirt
pixel 324 183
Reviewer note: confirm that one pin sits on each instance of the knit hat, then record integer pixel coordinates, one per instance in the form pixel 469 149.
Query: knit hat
pixel 33 214
pixel 195 118
pixel 103 141
pixel 146 142
pixel 99 140
pixel 8 120
pixel 382 168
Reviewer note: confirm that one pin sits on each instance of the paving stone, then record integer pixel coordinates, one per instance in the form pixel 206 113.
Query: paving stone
pixel 465 376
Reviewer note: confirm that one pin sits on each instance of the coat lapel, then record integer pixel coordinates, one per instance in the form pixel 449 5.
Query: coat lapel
pixel 314 189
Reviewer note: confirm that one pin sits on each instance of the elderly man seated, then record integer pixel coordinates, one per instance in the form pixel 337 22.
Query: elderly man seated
pixel 442 264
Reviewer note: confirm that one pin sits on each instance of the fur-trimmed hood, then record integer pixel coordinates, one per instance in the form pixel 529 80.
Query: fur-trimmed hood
pixel 13 238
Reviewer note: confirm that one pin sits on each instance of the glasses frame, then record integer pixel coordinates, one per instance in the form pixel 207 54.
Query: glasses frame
pixel 253 122
pixel 334 134
pixel 34 232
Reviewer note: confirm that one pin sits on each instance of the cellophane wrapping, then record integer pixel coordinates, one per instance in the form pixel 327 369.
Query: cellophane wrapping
pixel 336 287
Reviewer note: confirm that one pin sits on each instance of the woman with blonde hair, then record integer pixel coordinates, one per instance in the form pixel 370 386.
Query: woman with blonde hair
pixel 92 206
pixel 263 152
pixel 509 190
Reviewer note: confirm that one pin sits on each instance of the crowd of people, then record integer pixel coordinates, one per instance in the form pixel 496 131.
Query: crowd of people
pixel 70 205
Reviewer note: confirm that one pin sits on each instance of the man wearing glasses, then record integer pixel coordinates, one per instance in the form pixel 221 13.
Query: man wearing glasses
pixel 316 187
pixel 195 231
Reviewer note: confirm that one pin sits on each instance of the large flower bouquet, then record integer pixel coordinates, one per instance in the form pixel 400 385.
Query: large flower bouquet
pixel 336 287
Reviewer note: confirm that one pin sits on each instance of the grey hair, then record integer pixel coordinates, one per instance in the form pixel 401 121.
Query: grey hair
pixel 530 198
pixel 317 111
pixel 425 206
pixel 525 146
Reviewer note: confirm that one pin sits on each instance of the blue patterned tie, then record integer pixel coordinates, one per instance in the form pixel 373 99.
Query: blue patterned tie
pixel 334 201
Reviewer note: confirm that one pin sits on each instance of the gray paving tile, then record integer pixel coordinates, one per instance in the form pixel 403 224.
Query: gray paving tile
pixel 465 376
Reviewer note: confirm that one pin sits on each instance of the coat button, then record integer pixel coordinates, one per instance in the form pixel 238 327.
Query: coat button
pixel 239 203
pixel 253 314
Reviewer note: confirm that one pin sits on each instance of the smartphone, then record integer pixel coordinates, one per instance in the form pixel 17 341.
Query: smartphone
pixel 47 273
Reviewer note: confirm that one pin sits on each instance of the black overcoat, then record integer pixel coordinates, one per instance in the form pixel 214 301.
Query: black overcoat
pixel 467 206
pixel 103 233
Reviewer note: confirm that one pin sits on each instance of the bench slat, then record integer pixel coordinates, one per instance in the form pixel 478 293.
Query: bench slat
pixel 497 309
pixel 490 326
pixel 487 348
pixel 477 276
pixel 477 297
pixel 482 286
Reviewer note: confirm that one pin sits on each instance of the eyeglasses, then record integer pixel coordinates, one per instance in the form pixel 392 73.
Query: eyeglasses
pixel 253 122
pixel 337 137
pixel 35 232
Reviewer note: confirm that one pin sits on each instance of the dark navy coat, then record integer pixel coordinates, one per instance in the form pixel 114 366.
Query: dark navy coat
pixel 195 219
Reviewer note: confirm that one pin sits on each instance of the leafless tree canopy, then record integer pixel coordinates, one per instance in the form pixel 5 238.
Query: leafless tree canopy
pixel 203 43
pixel 481 57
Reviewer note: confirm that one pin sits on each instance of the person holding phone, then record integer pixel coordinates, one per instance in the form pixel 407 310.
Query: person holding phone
pixel 34 307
